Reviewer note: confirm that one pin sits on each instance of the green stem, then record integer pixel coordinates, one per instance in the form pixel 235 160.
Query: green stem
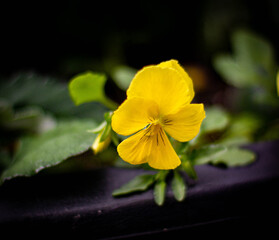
pixel 183 148
pixel 109 104
pixel 161 175
pixel 188 167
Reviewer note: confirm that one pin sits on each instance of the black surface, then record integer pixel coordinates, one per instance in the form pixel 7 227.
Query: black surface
pixel 236 200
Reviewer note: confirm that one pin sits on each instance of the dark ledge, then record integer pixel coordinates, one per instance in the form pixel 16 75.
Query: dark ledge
pixel 242 199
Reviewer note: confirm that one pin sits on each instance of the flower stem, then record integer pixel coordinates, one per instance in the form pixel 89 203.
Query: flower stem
pixel 109 103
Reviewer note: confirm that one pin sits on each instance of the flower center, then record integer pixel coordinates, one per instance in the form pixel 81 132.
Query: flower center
pixel 161 121
pixel 153 130
pixel 156 121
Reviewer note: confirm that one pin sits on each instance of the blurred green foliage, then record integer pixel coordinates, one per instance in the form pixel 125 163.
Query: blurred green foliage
pixel 252 69
pixel 123 75
pixel 40 125
pixel 35 153
pixel 252 63
pixel 49 94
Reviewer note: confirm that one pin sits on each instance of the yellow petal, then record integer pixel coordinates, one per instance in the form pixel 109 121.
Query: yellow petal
pixel 133 115
pixel 150 145
pixel 136 148
pixel 175 65
pixel 185 124
pixel 162 155
pixel 99 146
pixel 165 86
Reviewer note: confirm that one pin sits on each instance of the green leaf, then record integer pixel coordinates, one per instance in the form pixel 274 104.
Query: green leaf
pixel 159 192
pixel 241 130
pixel 271 132
pixel 138 184
pixel 234 140
pixel 251 48
pixel 32 89
pixel 221 154
pixel 29 89
pixel 26 119
pixel 6 112
pixel 235 157
pixel 123 75
pixel 89 87
pixel 216 119
pixel 178 187
pixel 251 65
pixel 26 88
pixel 69 138
pixel 206 154
pixel 238 75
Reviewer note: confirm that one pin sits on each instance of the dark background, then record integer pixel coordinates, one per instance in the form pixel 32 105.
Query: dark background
pixel 67 37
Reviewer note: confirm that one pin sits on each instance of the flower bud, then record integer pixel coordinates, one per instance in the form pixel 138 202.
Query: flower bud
pixel 98 145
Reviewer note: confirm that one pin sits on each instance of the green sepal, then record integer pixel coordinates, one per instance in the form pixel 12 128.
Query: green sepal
pixel 106 132
pixel 104 128
pixel 108 116
pixel 114 138
pixel 99 128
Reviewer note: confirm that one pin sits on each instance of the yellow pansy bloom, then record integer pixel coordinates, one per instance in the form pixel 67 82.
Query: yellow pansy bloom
pixel 158 102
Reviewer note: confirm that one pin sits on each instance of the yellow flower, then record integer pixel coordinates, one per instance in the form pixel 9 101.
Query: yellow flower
pixel 158 102
pixel 98 145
